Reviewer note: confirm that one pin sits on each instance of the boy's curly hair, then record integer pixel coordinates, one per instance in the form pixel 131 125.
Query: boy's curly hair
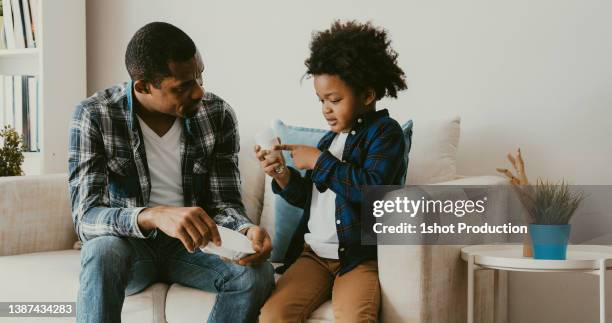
pixel 360 54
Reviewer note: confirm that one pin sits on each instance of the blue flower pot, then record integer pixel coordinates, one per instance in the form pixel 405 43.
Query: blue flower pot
pixel 549 241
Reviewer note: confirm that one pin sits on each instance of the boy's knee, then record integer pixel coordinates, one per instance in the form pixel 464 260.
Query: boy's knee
pixel 275 311
pixel 365 314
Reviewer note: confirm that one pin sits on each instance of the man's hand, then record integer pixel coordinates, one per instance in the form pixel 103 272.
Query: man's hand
pixel 304 157
pixel 191 225
pixel 261 244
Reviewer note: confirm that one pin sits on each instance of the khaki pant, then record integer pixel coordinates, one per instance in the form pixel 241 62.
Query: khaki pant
pixel 312 280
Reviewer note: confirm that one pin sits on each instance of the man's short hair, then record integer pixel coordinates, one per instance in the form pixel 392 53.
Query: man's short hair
pixel 151 49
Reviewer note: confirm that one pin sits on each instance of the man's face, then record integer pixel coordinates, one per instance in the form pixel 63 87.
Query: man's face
pixel 180 94
pixel 340 106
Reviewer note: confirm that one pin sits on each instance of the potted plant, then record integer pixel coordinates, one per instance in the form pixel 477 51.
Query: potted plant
pixel 11 152
pixel 549 208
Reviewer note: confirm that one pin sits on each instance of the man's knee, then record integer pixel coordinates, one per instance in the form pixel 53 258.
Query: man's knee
pixel 106 252
pixel 257 280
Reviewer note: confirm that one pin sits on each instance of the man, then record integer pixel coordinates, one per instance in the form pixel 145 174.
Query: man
pixel 153 170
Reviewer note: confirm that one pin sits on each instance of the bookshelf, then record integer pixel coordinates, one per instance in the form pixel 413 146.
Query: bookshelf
pixel 59 63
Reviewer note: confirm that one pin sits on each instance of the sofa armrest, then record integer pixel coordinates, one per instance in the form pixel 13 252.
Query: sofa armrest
pixel 476 180
pixel 35 214
pixel 428 283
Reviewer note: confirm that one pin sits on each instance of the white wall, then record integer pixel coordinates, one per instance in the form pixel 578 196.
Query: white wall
pixel 534 74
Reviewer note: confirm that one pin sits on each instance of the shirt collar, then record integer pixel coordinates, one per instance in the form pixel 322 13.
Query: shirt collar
pixel 367 118
pixel 362 122
pixel 131 114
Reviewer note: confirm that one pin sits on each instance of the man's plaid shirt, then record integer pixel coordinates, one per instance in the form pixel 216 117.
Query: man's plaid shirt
pixel 109 178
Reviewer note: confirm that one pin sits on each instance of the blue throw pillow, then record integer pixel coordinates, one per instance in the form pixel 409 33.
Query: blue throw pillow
pixel 287 216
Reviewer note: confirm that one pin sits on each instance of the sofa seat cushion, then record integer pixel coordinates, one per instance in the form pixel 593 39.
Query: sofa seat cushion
pixel 186 304
pixel 54 277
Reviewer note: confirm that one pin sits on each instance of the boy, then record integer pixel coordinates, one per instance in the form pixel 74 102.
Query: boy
pixel 353 67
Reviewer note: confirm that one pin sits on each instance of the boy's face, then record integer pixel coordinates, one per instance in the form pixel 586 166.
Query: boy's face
pixel 340 104
pixel 180 94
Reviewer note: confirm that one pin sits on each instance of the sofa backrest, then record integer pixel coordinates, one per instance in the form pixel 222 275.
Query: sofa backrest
pixel 35 210
pixel 35 214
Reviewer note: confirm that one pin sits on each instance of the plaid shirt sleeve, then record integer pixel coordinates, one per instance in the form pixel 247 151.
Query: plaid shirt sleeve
pixel 296 191
pixel 225 196
pixel 91 214
pixel 381 163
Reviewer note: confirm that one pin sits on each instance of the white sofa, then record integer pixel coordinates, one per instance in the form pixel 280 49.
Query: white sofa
pixel 419 283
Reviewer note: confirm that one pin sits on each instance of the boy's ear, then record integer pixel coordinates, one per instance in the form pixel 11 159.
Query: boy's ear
pixel 369 97
pixel 141 86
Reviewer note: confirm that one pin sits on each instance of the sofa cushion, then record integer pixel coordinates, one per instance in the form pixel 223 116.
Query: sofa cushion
pixel 433 157
pixel 287 217
pixel 251 177
pixel 186 305
pixel 35 214
pixel 54 277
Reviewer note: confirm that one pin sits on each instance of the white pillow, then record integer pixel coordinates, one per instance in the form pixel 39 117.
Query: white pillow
pixel 252 178
pixel 267 219
pixel 433 156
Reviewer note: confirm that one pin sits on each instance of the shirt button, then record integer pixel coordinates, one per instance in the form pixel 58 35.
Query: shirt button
pixel 359 120
pixel 353 132
pixel 341 249
pixel 337 221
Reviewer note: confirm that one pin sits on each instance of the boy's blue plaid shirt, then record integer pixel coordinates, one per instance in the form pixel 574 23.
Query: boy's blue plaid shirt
pixel 373 155
pixel 109 178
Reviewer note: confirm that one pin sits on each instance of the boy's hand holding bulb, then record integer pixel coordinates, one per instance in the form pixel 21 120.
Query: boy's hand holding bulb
pixel 273 163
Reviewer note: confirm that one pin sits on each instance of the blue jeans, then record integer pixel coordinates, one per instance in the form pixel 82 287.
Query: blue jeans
pixel 113 267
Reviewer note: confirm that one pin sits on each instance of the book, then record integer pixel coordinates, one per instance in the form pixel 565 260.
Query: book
pixel 9 32
pixel 33 112
pixel 18 24
pixel 9 111
pixel 2 38
pixel 2 113
pixel 18 104
pixel 25 113
pixel 27 19
pixel 34 8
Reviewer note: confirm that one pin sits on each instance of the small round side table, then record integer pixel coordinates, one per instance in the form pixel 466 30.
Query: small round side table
pixel 589 259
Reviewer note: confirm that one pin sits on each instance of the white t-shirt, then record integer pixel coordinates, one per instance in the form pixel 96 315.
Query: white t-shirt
pixel 164 160
pixel 323 238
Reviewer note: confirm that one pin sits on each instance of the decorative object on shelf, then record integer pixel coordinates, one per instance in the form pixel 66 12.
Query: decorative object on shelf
pixel 549 208
pixel 519 181
pixel 11 152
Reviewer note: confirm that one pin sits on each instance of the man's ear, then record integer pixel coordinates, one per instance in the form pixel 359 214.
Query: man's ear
pixel 141 86
pixel 369 97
